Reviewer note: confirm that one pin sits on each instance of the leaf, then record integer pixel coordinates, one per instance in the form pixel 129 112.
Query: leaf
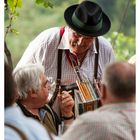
pixel 39 1
pixel 19 3
pixel 10 5
pixel 50 4
pixel 14 31
pixel 17 14
pixel 45 3
pixel 13 4
pixel 124 46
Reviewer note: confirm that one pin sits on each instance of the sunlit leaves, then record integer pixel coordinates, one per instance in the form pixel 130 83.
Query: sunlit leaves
pixel 13 4
pixel 12 11
pixel 39 1
pixel 14 31
pixel 124 46
pixel 45 3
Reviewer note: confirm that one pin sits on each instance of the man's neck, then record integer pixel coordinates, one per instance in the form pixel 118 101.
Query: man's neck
pixel 29 107
pixel 119 100
pixel 81 57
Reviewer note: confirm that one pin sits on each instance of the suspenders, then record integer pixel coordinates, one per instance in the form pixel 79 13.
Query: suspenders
pixel 96 58
pixel 58 82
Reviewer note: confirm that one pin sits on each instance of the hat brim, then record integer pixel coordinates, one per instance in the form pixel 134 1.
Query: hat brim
pixel 106 24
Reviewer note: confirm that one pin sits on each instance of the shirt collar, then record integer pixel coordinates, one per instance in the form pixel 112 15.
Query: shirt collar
pixel 64 43
pixel 118 106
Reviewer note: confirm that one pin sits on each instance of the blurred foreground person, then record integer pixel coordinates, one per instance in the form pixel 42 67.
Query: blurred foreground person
pixel 33 88
pixel 115 120
pixel 17 126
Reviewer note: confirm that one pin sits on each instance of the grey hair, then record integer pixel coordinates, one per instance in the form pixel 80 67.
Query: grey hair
pixel 119 78
pixel 28 77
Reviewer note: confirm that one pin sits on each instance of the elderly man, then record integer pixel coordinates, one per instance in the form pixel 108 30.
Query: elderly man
pixel 18 126
pixel 33 90
pixel 80 44
pixel 116 118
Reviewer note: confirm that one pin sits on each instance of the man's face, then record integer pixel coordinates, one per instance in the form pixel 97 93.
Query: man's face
pixel 79 43
pixel 43 92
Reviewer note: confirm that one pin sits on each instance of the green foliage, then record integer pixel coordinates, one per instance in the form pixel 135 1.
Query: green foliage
pixel 13 4
pixel 121 13
pixel 134 2
pixel 12 13
pixel 124 46
pixel 45 3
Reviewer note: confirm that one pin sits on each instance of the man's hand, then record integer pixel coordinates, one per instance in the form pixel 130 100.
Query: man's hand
pixel 66 103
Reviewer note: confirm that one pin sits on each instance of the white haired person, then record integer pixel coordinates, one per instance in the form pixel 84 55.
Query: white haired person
pixel 33 89
pixel 17 125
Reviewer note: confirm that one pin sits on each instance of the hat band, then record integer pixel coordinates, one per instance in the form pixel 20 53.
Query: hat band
pixel 80 24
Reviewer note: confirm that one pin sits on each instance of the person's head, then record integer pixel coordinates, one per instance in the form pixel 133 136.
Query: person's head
pixel 119 83
pixel 10 88
pixel 32 84
pixel 86 21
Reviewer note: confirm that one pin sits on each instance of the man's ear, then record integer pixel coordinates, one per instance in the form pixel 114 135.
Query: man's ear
pixel 104 92
pixel 32 93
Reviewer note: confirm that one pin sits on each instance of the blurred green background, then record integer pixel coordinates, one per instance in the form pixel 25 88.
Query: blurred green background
pixel 34 18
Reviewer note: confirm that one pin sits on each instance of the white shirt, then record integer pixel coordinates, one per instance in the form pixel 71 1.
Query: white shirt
pixel 110 122
pixel 44 48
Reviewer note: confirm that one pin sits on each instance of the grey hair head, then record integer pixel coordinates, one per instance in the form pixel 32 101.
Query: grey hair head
pixel 119 77
pixel 28 77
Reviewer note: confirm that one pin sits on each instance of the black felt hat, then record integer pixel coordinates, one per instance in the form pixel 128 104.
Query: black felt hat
pixel 87 18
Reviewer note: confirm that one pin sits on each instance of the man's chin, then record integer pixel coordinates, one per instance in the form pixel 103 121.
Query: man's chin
pixel 47 101
pixel 75 52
